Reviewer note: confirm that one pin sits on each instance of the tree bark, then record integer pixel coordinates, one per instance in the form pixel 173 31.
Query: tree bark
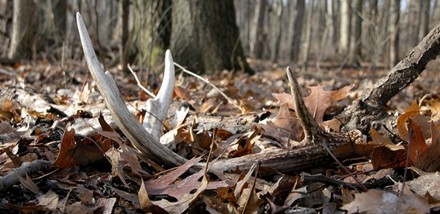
pixel 307 36
pixel 345 28
pixel 369 111
pixel 21 41
pixel 297 14
pixel 258 36
pixel 372 34
pixel 356 35
pixel 277 21
pixel 394 32
pixel 125 13
pixel 151 31
pixel 205 36
pixel 424 18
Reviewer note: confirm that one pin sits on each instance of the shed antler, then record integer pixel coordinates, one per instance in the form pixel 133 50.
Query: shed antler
pixel 147 142
pixel 138 135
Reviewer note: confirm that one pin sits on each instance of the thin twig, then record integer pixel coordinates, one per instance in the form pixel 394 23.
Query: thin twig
pixel 26 169
pixel 233 102
pixel 139 82
pixel 343 167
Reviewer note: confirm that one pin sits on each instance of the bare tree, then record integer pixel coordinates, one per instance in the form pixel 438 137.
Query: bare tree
pixel 394 32
pixel 258 36
pixel 21 40
pixel 355 40
pixel 277 27
pixel 345 28
pixel 297 14
pixel 125 14
pixel 308 35
pixel 151 31
pixel 205 36
pixel 424 13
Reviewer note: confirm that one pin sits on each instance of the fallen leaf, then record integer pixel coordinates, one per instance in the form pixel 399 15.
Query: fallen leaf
pixel 318 101
pixel 417 145
pixel 379 201
pixel 145 203
pixel 64 158
pixel 86 195
pixel 49 200
pixel 434 106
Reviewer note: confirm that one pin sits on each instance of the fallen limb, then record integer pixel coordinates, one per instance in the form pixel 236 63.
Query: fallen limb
pixel 369 111
pixel 27 168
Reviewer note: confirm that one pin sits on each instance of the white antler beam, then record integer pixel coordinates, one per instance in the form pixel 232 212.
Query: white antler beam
pixel 149 145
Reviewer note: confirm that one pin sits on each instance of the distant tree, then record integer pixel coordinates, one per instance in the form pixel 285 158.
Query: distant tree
pixel 345 28
pixel 125 15
pixel 151 31
pixel 205 36
pixel 297 14
pixel 277 28
pixel 21 40
pixel 356 35
pixel 394 32
pixel 308 35
pixel 424 13
pixel 59 10
pixel 258 36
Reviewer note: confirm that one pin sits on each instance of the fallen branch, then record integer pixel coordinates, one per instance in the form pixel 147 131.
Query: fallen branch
pixel 369 111
pixel 27 168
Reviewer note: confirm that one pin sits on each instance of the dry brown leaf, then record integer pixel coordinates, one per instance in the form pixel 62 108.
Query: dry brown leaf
pixel 417 145
pixel 434 106
pixel 28 183
pixel 64 158
pixel 145 203
pixel 318 101
pixel 49 200
pixel 410 112
pixel 426 184
pixel 169 183
pixel 86 195
pixel 385 157
pixel 182 93
pixel 379 201
pixel 184 201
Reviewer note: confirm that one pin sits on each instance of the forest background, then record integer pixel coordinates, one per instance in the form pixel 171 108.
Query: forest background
pixel 375 33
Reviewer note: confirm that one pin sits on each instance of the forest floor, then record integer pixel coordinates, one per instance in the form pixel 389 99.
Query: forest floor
pixel 47 113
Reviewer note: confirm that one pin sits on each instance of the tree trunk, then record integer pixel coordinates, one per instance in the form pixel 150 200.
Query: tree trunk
pixel 356 35
pixel 277 24
pixel 297 14
pixel 308 36
pixel 345 28
pixel 21 40
pixel 59 8
pixel 394 32
pixel 372 35
pixel 258 36
pixel 424 18
pixel 205 36
pixel 125 13
pixel 151 31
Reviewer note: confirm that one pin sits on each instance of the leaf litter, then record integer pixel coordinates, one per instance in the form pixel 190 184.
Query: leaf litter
pixel 98 170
